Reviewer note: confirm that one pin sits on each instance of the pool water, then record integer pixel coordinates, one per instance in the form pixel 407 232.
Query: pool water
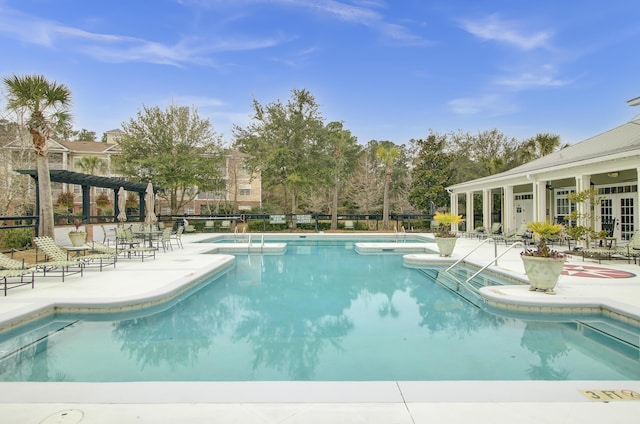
pixel 318 312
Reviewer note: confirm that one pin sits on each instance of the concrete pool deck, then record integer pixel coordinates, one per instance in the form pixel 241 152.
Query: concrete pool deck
pixel 311 402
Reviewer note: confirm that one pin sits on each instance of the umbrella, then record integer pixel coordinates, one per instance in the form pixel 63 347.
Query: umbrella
pixel 149 203
pixel 122 204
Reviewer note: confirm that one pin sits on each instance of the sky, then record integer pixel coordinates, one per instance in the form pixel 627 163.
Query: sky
pixel 388 69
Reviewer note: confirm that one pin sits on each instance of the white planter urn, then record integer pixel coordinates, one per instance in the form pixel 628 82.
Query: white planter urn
pixel 77 238
pixel 446 245
pixel 543 273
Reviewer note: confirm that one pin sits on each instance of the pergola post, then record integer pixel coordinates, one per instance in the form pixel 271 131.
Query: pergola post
pixel 86 203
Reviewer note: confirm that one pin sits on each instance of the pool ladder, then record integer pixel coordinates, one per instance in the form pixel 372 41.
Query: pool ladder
pixel 261 244
pixel 400 234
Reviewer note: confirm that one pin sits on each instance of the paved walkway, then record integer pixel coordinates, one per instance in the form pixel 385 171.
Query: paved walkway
pixel 313 402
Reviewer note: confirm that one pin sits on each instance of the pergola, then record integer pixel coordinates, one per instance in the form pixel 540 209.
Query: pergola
pixel 86 181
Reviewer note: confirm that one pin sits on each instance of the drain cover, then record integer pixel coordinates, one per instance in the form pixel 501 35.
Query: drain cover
pixel 68 416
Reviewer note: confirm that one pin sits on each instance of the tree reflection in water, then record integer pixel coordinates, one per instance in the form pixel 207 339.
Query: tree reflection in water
pixel 536 339
pixel 333 314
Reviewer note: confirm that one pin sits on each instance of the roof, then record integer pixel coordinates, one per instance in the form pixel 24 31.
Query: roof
pixel 622 141
pixel 86 146
pixel 70 177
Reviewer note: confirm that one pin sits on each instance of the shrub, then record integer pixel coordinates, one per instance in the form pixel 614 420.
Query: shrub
pixel 16 238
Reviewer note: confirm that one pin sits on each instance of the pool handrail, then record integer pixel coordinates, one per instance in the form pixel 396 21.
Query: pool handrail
pixel 472 250
pixel 517 243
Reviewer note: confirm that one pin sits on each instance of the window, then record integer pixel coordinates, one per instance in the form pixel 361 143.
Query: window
pixel 244 192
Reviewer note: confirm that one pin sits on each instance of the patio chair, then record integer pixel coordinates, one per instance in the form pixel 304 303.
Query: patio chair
pixel 177 236
pixel 496 228
pixel 165 239
pixel 209 226
pixel 225 225
pixel 57 253
pixel 190 228
pixel 11 268
pixel 348 225
pixel 125 239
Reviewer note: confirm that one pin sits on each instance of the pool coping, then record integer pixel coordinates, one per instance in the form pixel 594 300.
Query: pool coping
pixel 312 392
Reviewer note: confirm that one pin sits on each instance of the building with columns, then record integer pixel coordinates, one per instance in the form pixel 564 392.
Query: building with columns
pixel 537 191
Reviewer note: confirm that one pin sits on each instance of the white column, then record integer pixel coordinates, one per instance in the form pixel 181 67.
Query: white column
pixel 583 182
pixel 636 206
pixel 539 201
pixel 509 219
pixel 453 200
pixel 486 209
pixel 469 217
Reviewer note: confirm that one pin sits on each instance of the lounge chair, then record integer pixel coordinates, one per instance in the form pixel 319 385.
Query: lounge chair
pixel 11 268
pixel 66 267
pixel 478 232
pixel 209 226
pixel 57 253
pixel 348 225
pixel 225 225
pixel 521 234
pixel 496 228
pixel 190 229
pixel 631 249
pixel 127 252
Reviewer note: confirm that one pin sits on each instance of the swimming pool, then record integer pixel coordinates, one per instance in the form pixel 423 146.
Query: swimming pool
pixel 318 312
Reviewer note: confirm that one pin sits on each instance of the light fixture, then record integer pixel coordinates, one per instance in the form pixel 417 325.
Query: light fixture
pixel 613 174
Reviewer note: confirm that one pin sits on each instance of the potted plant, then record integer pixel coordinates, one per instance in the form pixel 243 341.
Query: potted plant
pixel 445 239
pixel 77 236
pixel 542 264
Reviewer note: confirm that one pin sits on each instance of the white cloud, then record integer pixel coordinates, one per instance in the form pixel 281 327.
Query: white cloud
pixel 118 48
pixel 491 104
pixel 493 28
pixel 543 77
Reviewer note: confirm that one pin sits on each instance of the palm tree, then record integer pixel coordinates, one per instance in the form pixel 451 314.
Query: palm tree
pixel 46 107
pixel 540 145
pixel 92 165
pixel 387 155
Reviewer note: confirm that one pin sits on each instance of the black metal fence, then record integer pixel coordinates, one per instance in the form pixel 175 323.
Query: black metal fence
pixel 313 222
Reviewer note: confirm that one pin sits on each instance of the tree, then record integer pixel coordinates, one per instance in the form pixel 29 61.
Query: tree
pixel 45 105
pixel 174 149
pixel 283 142
pixel 342 151
pixel 86 135
pixel 365 187
pixel 485 153
pixel 387 155
pixel 16 191
pixel 92 165
pixel 431 173
pixel 540 145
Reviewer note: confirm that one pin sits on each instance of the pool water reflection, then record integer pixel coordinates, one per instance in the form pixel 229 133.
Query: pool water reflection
pixel 318 312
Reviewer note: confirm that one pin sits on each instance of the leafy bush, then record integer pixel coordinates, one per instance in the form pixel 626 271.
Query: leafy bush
pixel 16 238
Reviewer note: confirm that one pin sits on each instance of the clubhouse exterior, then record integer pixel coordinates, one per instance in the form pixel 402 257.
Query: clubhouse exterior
pixel 537 191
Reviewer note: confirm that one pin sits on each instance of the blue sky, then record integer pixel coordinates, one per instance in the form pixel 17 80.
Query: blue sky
pixel 389 69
